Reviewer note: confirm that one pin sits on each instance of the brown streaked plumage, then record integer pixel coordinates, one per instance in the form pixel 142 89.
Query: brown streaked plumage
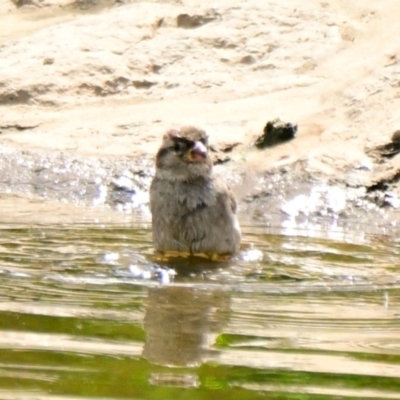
pixel 192 209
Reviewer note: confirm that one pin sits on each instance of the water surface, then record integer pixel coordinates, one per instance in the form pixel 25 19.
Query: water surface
pixel 88 311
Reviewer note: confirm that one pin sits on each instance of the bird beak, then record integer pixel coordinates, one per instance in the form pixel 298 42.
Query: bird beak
pixel 197 153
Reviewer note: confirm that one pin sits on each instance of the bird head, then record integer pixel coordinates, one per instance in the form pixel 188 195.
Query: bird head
pixel 184 155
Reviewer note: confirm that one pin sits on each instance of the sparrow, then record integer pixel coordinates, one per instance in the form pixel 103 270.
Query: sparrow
pixel 193 210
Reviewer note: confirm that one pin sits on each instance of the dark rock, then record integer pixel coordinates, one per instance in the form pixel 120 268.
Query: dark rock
pixel 276 132
pixel 248 60
pixel 155 68
pixel 22 3
pixel 87 5
pixel 220 159
pixel 388 150
pixel 116 85
pixel 396 137
pixel 20 96
pixel 187 21
pixel 17 127
pixel 143 84
pixel 48 61
pixel 229 147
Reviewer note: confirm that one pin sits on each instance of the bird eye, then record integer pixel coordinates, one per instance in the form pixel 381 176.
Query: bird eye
pixel 178 146
pixel 181 145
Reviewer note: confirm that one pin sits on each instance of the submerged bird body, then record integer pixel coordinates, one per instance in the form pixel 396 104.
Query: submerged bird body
pixel 192 210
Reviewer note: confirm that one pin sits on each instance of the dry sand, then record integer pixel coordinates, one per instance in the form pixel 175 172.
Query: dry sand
pixel 103 80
